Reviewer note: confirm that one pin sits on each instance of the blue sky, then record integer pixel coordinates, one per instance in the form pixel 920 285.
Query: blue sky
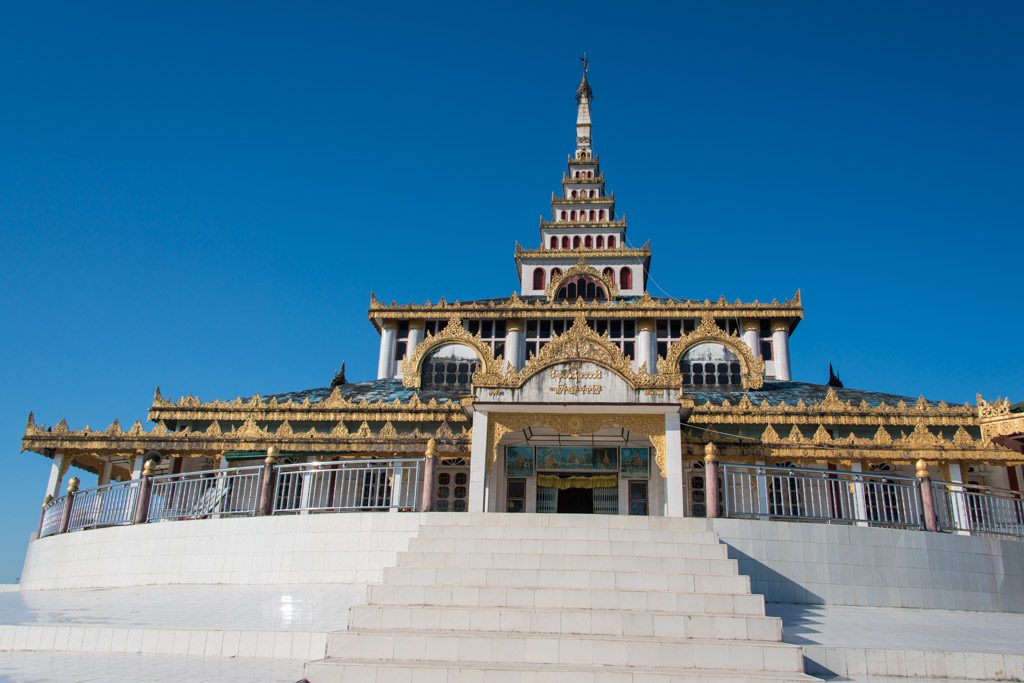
pixel 203 195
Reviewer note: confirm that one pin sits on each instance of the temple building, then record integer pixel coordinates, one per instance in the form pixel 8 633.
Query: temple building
pixel 579 393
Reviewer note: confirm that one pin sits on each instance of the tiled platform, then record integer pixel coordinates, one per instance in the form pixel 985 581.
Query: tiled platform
pixel 47 667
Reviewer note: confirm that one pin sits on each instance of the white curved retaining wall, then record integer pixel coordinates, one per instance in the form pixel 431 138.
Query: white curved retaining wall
pixel 787 562
pixel 823 564
pixel 325 548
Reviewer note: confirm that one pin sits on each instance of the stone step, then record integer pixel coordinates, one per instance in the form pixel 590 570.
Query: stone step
pixel 565 621
pixel 526 648
pixel 572 533
pixel 566 598
pixel 712 551
pixel 684 565
pixel 511 520
pixel 554 578
pixel 333 670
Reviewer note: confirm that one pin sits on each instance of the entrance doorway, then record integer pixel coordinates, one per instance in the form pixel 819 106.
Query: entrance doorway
pixel 576 501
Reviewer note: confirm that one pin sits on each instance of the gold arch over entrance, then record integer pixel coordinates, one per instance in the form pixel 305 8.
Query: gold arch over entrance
pixel 453 333
pixel 650 425
pixel 708 332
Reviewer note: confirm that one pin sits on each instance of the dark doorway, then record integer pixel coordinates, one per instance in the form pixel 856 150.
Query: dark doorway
pixel 576 501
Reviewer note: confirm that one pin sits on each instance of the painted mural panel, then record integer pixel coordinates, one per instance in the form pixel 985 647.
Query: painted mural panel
pixel 577 459
pixel 636 463
pixel 519 461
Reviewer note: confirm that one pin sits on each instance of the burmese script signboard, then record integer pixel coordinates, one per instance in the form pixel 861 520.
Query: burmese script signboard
pixel 579 382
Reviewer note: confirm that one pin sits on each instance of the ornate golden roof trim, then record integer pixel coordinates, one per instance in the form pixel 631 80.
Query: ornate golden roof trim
pixel 996 419
pixel 643 307
pixel 710 333
pixel 578 343
pixel 333 407
pixel 249 435
pixel 453 333
pixel 542 254
pixel 833 410
pixel 585 269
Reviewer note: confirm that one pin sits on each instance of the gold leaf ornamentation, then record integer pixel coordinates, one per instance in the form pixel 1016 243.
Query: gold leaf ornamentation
pixel 587 270
pixel 709 332
pixel 451 334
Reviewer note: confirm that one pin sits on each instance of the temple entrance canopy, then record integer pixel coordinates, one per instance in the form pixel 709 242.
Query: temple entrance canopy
pixel 577 429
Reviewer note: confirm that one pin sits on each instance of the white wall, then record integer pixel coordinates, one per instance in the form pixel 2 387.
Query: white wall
pixel 325 548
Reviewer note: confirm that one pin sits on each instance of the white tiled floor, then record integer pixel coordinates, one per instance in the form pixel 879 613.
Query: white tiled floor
pixel 47 667
pixel 900 628
pixel 322 607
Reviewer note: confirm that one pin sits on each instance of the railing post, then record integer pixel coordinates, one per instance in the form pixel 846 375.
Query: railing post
pixel 265 506
pixel 427 505
pixel 145 485
pixel 65 517
pixel 924 486
pixel 42 515
pixel 711 479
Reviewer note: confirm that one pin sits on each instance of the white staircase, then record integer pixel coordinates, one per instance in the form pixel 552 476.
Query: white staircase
pixel 552 598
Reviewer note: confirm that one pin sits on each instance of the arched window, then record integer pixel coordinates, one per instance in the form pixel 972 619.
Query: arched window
pixel 538 278
pixel 588 242
pixel 602 215
pixel 583 216
pixel 593 193
pixel 626 278
pixel 590 174
pixel 600 241
pixel 556 273
pixel 581 287
pixel 574 194
pixel 576 174
pixel 565 241
pixel 572 215
pixel 449 367
pixel 554 242
pixel 593 215
pixel 576 242
pixel 711 365
pixel 608 272
pixel 611 241
pixel 563 216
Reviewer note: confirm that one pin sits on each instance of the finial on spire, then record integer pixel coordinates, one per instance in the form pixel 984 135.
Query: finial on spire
pixel 584 88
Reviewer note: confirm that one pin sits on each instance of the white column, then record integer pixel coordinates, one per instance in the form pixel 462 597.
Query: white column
pixel 222 481
pixel 478 462
pixel 104 477
pixel 57 470
pixel 306 490
pixel 656 493
pixel 762 490
pixel 515 349
pixel 137 466
pixel 673 467
pixel 780 345
pixel 860 497
pixel 752 336
pixel 646 346
pixel 415 336
pixel 387 349
pixel 959 501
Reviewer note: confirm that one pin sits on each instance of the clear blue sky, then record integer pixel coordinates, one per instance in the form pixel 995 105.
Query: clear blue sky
pixel 203 196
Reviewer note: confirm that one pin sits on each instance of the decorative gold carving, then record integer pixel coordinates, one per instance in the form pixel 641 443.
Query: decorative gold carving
pixel 585 269
pixel 652 426
pixel 578 343
pixel 553 481
pixel 710 333
pixel 544 309
pixel 451 334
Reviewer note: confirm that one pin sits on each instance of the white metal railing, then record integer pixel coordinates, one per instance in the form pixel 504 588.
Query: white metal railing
pixel 195 495
pixel 52 514
pixel 978 509
pixel 109 505
pixel 348 485
pixel 820 495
